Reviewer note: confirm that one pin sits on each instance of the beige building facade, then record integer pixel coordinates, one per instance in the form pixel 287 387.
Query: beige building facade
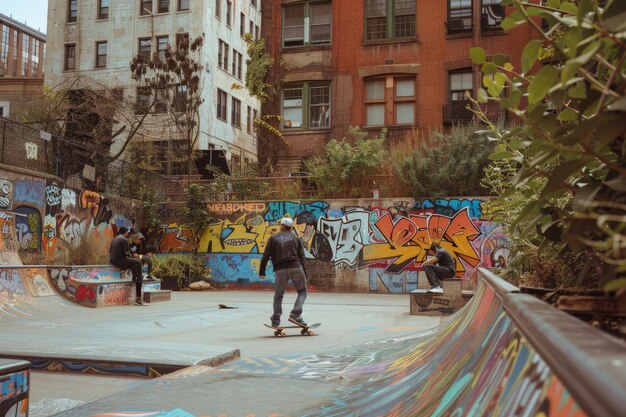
pixel 92 42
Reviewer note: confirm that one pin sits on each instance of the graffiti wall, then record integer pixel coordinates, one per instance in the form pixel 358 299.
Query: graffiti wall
pixel 48 217
pixel 361 246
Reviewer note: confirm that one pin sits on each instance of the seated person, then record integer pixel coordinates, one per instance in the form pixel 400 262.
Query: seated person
pixel 141 251
pixel 440 266
pixel 120 256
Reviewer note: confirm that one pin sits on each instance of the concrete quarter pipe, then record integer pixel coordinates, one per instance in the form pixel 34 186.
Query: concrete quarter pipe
pixel 489 359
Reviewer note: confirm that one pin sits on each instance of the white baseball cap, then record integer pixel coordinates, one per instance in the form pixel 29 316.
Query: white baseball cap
pixel 287 222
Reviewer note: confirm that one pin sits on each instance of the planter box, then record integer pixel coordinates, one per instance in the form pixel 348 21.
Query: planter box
pixel 171 283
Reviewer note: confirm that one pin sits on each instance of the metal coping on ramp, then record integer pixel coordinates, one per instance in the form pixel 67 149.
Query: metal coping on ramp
pixel 591 363
pixel 503 354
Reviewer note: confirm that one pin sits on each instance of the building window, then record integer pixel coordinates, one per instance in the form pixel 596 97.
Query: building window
pixel 218 9
pixel 162 42
pixel 103 9
pixel 404 101
pixel 235 116
pixel 183 5
pixel 181 39
pixel 101 54
pixel 72 12
pixel 222 99
pixel 180 98
pixel 306 106
pixel 249 121
pixel 389 19
pixel 145 49
pixel 25 55
pixel 70 57
pixel 460 81
pixel 168 157
pixel 257 33
pixel 404 18
pixel 4 50
pixel 229 13
pixel 145 7
pixel 375 103
pixel 142 104
pixel 242 24
pixel 459 16
pixel 390 101
pixel 307 23
pixel 253 2
pixel 491 14
pixel 237 59
pixel 164 6
pixel 160 104
pixel 251 28
pixel 222 55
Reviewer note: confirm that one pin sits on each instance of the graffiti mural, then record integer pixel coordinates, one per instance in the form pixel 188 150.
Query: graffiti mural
pixel 349 247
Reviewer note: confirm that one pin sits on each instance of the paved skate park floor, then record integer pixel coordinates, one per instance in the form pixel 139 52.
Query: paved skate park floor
pixel 189 328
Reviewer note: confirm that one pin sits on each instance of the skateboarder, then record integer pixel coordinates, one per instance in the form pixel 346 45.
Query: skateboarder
pixel 445 268
pixel 287 253
pixel 120 256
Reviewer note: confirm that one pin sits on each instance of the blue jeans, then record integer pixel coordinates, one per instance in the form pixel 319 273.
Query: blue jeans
pixel 297 277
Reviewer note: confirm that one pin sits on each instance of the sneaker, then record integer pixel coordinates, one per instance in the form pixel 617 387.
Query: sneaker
pixel 436 290
pixel 298 321
pixel 140 302
pixel 275 324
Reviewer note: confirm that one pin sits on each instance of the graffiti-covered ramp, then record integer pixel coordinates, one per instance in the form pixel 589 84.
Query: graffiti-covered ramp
pixel 504 354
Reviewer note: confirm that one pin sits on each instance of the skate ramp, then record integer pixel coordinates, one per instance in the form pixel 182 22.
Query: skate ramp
pixel 41 326
pixel 504 354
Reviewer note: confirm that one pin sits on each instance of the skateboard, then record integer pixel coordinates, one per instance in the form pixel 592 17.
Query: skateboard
pixel 304 331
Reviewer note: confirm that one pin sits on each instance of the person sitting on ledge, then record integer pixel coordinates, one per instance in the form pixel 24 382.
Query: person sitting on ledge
pixel 120 256
pixel 140 251
pixel 445 268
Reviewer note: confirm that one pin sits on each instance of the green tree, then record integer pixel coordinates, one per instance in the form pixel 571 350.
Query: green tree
pixel 569 153
pixel 195 213
pixel 447 164
pixel 175 85
pixel 345 170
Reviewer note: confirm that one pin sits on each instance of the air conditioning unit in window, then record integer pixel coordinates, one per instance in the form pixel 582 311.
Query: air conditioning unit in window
pixel 456 25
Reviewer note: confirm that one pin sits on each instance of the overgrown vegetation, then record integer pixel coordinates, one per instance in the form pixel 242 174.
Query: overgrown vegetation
pixel 260 66
pixel 346 167
pixel 184 267
pixel 561 175
pixel 447 164
pixel 195 214
pixel 241 185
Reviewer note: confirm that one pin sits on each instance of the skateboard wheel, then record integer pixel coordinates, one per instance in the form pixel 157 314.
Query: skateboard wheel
pixel 277 333
pixel 304 332
pixel 311 333
pixel 283 333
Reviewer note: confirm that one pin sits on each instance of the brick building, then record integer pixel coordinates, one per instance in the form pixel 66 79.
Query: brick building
pixel 403 64
pixel 22 56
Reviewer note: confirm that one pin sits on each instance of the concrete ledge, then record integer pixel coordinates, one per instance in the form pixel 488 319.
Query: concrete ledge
pixel 97 285
pixel 452 299
pixel 135 359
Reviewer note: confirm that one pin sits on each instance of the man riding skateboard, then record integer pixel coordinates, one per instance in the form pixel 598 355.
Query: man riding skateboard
pixel 287 253
pixel 445 268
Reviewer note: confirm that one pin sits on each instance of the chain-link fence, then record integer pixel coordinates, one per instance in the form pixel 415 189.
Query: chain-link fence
pixel 81 166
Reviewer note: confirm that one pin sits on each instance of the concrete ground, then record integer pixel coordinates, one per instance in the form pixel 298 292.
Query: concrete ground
pixel 193 319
